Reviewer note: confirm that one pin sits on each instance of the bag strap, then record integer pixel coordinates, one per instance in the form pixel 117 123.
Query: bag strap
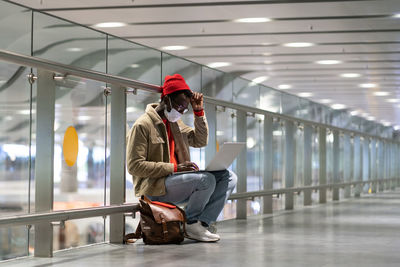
pixel 137 235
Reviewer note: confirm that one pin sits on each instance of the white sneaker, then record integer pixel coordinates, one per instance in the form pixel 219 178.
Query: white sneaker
pixel 198 232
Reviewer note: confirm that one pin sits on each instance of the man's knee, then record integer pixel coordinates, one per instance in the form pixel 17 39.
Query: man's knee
pixel 207 181
pixel 232 180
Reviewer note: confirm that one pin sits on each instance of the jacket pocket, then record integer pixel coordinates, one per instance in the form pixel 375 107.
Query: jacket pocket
pixel 155 139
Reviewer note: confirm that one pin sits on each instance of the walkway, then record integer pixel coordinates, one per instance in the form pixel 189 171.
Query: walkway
pixel 355 232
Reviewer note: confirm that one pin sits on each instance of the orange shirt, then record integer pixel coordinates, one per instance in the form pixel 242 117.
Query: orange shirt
pixel 171 142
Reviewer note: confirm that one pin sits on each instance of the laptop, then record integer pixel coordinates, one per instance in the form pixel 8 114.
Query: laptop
pixel 224 157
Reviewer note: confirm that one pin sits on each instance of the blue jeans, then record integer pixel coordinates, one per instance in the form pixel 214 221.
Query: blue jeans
pixel 204 192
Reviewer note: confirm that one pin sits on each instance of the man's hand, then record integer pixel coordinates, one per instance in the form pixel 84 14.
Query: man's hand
pixel 197 101
pixel 187 166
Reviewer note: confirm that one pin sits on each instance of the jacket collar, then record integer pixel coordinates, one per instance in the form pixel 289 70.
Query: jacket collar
pixel 151 111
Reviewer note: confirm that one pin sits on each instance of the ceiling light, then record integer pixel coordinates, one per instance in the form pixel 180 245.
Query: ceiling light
pixel 219 64
pixel 396 128
pixel 259 79
pixel 74 49
pixel 365 115
pixel 252 20
pixel 354 113
pixel 110 25
pixel 325 101
pixel 393 100
pixel 134 66
pixel 298 44
pixel 131 109
pixel 26 112
pixel 266 54
pixel 329 62
pixel 350 75
pixel 396 16
pixel 84 118
pixel 267 62
pixel 381 93
pixel 386 123
pixel 305 94
pixel 338 106
pixel 174 47
pixel 284 86
pixel 368 85
pixel 370 118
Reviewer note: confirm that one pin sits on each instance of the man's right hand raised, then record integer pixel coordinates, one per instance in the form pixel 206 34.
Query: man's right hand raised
pixel 187 166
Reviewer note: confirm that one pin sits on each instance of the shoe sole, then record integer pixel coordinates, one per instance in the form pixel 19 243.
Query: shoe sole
pixel 205 241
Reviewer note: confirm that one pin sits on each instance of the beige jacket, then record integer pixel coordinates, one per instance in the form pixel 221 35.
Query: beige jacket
pixel 147 150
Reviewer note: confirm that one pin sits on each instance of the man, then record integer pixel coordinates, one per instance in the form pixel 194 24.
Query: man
pixel 158 150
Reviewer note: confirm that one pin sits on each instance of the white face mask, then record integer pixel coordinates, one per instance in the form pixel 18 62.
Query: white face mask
pixel 173 115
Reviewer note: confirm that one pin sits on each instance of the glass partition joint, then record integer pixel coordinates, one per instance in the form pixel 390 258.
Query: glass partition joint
pixel 268 163
pixel 290 162
pixel 117 161
pixel 336 158
pixel 241 164
pixel 347 167
pixel 322 163
pixel 307 163
pixel 357 165
pixel 44 185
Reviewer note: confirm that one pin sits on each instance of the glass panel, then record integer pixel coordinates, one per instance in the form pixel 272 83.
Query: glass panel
pixel 189 70
pixel 254 148
pixel 315 165
pixel 136 106
pixel 61 41
pixel 270 100
pixel 290 104
pixel 216 84
pixel 15 38
pixel 133 61
pixel 80 103
pixel 77 233
pixel 245 92
pixel 226 132
pixel 16 120
pixel 299 163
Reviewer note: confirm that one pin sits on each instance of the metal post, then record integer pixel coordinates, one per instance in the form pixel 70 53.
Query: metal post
pixel 381 169
pixel 268 162
pixel 211 149
pixel 357 165
pixel 387 165
pixel 322 163
pixel 373 165
pixel 336 158
pixel 365 163
pixel 44 187
pixel 307 163
pixel 398 165
pixel 241 164
pixel 347 164
pixel 289 163
pixel 392 167
pixel 117 162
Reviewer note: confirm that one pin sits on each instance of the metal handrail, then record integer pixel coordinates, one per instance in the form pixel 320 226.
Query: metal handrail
pixel 303 188
pixel 64 215
pixel 130 83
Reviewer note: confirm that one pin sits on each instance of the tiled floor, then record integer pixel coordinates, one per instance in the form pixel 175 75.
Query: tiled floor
pixel 356 232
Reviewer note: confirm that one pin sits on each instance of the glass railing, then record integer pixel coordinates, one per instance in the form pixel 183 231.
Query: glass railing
pixel 273 120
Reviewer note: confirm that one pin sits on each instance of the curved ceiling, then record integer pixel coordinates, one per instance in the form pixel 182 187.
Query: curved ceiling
pixel 362 35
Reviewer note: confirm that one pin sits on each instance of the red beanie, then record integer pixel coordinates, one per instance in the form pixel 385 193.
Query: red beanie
pixel 173 83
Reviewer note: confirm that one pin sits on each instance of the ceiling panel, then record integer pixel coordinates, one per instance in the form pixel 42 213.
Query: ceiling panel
pixel 364 35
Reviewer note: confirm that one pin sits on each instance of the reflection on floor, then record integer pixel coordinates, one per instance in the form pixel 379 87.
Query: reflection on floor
pixel 356 232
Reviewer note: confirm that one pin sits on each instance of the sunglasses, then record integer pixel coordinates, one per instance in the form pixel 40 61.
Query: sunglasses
pixel 180 108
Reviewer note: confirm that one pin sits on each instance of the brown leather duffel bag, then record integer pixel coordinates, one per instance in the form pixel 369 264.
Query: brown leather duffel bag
pixel 160 223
